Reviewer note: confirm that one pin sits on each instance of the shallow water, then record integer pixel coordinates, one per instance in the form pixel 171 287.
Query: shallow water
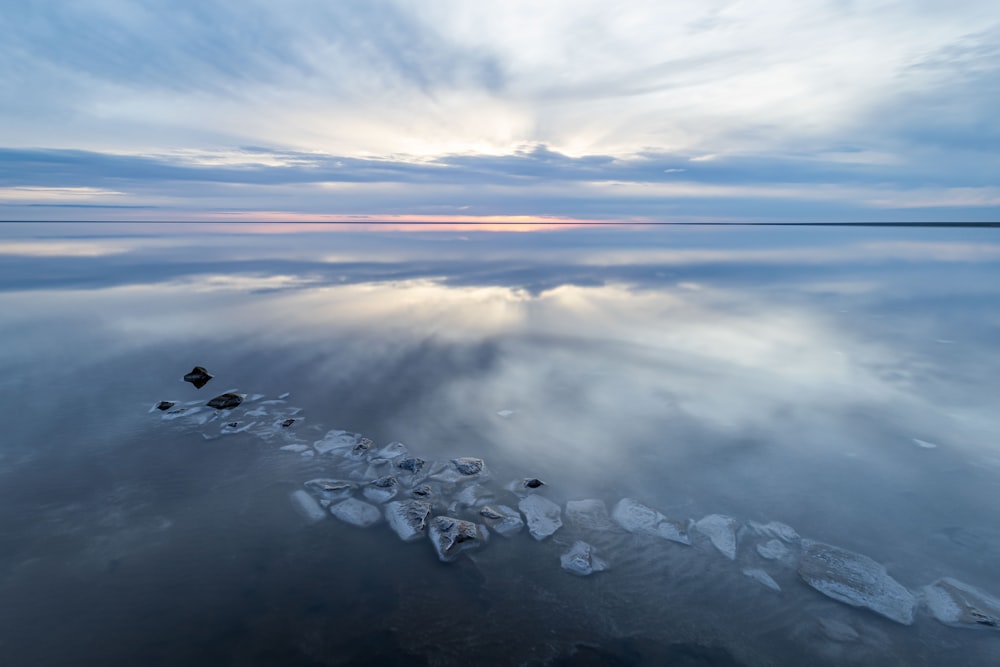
pixel 840 380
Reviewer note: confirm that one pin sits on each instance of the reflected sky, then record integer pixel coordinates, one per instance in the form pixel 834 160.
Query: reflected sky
pixel 787 374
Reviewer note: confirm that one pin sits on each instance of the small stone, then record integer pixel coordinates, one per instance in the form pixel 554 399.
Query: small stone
pixel 381 489
pixel 165 405
pixel 581 561
pixel 468 465
pixel 225 401
pixel 422 491
pixel 451 536
pixel 412 464
pixel 198 376
pixel 287 423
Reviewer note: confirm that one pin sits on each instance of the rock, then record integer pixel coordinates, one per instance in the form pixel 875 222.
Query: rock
pixel 356 512
pixel 337 441
pixel 331 489
pixel 408 518
pixel 543 515
pixel 502 519
pixel 460 469
pixel 451 537
pixel 467 465
pixel 422 491
pixel 378 468
pixel 776 529
pixel 721 530
pixel 762 577
pixel 307 506
pixel 288 422
pixel 591 514
pixel 522 487
pixel 774 550
pixel 962 606
pixel 856 580
pixel 360 450
pixel 581 561
pixel 412 464
pixel 381 489
pixel 198 376
pixel 165 405
pixel 225 401
pixel 635 517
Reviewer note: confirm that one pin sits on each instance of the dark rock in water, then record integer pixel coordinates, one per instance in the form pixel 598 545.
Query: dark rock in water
pixel 468 465
pixel 533 483
pixel 165 405
pixel 856 580
pixel 451 537
pixel 225 401
pixel 381 489
pixel 287 423
pixel 198 376
pixel 412 463
pixel 360 450
pixel 233 424
pixel 422 491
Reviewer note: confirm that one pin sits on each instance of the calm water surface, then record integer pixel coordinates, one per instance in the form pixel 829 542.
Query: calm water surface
pixel 843 381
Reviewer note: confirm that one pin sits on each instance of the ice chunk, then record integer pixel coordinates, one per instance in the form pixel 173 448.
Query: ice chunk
pixel 590 513
pixel 451 537
pixel 331 489
pixel 543 515
pixel 356 512
pixel 294 448
pixel 198 376
pixel 635 517
pixel 226 401
pixel 408 518
pixel 378 468
pixel 502 519
pixel 776 529
pixel 962 606
pixel 721 530
pixel 774 550
pixel 580 560
pixel 381 489
pixel 337 441
pixel 856 580
pixel 307 506
pixel 763 577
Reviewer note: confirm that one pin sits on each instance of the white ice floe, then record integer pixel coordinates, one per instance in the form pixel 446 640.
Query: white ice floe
pixel 408 518
pixel 961 605
pixel 294 448
pixel 590 513
pixel 782 531
pixel 721 530
pixel 356 512
pixel 502 519
pixel 762 577
pixel 450 536
pixel 923 444
pixel 543 515
pixel 856 580
pixel 381 489
pixel 635 517
pixel 307 506
pixel 581 560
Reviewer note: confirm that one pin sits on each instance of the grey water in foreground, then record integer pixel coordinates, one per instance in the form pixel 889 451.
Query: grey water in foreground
pixel 841 382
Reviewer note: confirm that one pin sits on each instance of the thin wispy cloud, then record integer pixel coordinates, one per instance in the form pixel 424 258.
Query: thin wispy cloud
pixel 509 108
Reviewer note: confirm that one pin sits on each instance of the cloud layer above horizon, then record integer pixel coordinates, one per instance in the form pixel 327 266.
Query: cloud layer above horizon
pixel 817 110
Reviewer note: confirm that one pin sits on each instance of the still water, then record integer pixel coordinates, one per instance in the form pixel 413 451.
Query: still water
pixel 842 381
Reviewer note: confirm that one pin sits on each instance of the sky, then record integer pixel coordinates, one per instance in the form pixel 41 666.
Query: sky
pixel 487 111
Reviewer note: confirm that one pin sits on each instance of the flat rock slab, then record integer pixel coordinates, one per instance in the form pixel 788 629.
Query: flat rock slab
pixel 590 513
pixel 581 560
pixel 856 580
pixel 451 537
pixel 721 530
pixel 356 512
pixel 307 506
pixel 635 517
pixel 544 516
pixel 408 518
pixel 502 519
pixel 961 605
pixel 226 401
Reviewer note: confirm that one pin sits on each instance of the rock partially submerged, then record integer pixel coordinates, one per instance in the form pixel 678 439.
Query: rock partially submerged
pixel 356 512
pixel 451 536
pixel 288 422
pixel 961 605
pixel 467 465
pixel 762 577
pixel 721 530
pixel 775 529
pixel 337 441
pixel 590 513
pixel 198 376
pixel 460 469
pixel 165 405
pixel 381 489
pixel 411 464
pixel 226 401
pixel 502 519
pixel 774 550
pixel 331 489
pixel 856 580
pixel 544 516
pixel 635 517
pixel 307 506
pixel 580 560
pixel 408 518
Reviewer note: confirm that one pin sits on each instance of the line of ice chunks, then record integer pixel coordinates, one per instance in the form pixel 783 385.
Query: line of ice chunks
pixel 451 504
